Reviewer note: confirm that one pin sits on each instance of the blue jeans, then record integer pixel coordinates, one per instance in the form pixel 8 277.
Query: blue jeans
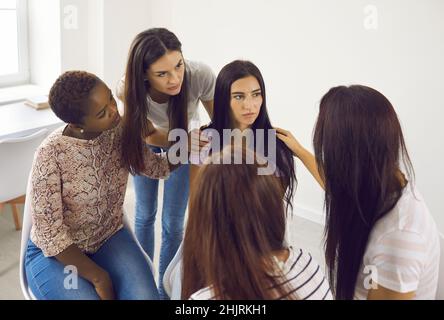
pixel 120 256
pixel 175 200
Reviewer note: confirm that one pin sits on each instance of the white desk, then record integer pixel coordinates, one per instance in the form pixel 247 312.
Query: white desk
pixel 18 120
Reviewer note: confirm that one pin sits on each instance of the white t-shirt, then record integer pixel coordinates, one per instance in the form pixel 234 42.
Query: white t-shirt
pixel 303 276
pixel 201 82
pixel 403 250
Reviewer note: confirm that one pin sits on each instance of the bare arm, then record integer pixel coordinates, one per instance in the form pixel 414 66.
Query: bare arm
pixel 309 162
pixel 156 137
pixel 303 154
pixel 386 294
pixel 209 106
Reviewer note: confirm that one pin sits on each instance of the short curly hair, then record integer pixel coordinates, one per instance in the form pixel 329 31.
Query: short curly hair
pixel 69 95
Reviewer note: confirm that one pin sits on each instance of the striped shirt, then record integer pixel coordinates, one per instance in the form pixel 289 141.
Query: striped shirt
pixel 403 250
pixel 304 279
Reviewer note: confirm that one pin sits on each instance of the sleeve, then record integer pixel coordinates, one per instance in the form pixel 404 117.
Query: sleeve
pixel 207 80
pixel 156 165
pixel 398 258
pixel 50 233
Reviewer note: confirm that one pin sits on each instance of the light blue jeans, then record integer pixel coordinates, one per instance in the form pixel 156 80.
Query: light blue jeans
pixel 120 256
pixel 175 200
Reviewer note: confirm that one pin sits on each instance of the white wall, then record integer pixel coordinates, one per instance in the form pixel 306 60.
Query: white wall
pixel 64 35
pixel 44 41
pixel 305 47
pixel 122 21
pixel 92 35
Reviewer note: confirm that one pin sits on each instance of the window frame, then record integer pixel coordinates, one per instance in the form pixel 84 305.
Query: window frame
pixel 22 76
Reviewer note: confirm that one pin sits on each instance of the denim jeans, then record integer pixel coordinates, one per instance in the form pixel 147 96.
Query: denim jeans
pixel 120 256
pixel 175 200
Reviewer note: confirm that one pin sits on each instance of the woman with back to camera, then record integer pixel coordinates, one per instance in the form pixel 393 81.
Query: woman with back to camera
pixel 381 240
pixel 234 245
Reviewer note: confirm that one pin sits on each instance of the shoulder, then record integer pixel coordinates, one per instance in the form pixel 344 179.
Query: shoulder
pixel 406 237
pixel 300 265
pixel 201 77
pixel 410 217
pixel 306 276
pixel 46 162
pixel 50 145
pixel 198 68
pixel 298 260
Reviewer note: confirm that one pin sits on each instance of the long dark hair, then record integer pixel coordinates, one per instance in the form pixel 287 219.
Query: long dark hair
pixel 358 144
pixel 221 119
pixel 236 221
pixel 147 47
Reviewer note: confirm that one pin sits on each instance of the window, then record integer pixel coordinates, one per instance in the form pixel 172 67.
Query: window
pixel 13 39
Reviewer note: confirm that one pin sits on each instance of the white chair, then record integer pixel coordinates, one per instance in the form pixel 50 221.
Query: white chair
pixel 26 230
pixel 16 156
pixel 440 292
pixel 172 278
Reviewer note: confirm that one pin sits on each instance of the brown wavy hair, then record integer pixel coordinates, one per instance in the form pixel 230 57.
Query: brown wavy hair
pixel 236 221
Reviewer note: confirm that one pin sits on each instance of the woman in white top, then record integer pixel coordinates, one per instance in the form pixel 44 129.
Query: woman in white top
pixel 381 241
pixel 161 91
pixel 234 245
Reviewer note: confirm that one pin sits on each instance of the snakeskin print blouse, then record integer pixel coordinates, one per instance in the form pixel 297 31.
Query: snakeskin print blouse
pixel 78 188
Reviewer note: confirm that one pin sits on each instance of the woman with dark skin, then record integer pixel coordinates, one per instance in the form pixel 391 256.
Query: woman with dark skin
pixel 77 194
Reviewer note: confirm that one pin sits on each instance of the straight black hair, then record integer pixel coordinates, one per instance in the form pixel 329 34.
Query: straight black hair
pixel 358 145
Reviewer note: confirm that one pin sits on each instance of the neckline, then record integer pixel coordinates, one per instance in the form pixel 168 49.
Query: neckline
pixel 82 141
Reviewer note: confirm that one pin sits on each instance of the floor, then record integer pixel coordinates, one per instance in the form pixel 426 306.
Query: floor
pixel 302 233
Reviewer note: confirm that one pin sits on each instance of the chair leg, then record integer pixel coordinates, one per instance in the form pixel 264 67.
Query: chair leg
pixel 15 214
